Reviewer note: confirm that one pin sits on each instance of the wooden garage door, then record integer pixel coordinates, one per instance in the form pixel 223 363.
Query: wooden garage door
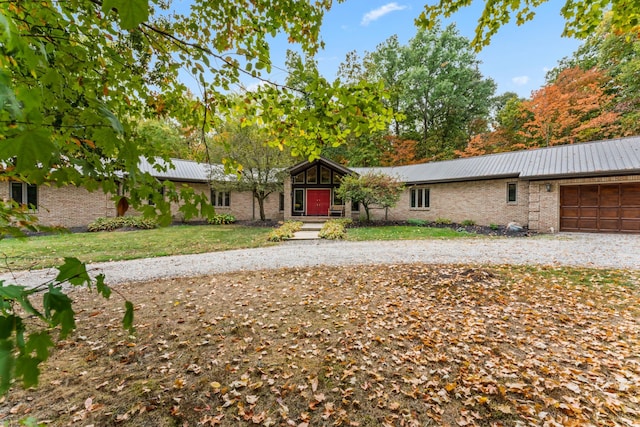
pixel 600 207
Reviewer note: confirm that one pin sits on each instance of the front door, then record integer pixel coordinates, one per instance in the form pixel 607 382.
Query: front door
pixel 318 202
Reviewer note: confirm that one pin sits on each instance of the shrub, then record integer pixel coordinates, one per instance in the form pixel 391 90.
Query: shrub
pixel 334 229
pixel 494 226
pixel 219 219
pixel 285 231
pixel 468 222
pixel 443 221
pixel 417 222
pixel 110 224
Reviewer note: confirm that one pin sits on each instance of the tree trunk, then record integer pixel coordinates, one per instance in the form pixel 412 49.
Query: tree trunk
pixel 260 197
pixel 366 210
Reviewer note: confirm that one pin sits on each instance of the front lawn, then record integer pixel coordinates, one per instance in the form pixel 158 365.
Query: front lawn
pixel 402 345
pixel 404 232
pixel 47 251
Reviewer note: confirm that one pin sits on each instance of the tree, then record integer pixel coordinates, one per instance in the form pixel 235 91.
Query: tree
pixel 444 91
pixel 255 166
pixel 617 56
pixel 573 109
pixel 509 119
pixel 371 189
pixel 169 138
pixel 438 96
pixel 582 16
pixel 75 78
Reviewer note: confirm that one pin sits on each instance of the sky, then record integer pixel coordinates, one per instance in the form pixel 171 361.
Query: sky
pixel 517 58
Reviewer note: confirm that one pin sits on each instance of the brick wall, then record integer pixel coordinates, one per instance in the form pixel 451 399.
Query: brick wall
pixel 68 206
pixel 245 208
pixel 484 202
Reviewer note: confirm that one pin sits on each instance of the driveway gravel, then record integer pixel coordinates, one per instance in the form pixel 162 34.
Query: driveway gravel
pixel 568 249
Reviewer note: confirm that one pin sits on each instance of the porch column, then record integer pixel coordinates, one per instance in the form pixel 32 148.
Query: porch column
pixel 288 199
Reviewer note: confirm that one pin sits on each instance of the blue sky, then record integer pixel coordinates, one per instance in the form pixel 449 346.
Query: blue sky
pixel 517 58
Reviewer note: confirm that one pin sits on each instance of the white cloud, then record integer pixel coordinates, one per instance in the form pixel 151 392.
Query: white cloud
pixel 378 13
pixel 520 80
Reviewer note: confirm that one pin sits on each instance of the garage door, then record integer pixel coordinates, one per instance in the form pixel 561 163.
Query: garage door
pixel 600 207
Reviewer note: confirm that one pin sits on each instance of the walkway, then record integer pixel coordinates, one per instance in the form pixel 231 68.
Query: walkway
pixel 584 250
pixel 309 231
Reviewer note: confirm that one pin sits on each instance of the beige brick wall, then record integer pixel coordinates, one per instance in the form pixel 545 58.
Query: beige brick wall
pixel 484 202
pixel 68 206
pixel 544 213
pixel 245 208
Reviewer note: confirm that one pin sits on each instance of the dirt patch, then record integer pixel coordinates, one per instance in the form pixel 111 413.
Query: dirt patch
pixel 410 345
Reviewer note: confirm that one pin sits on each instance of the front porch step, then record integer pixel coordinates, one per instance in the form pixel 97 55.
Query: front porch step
pixel 312 226
pixel 305 235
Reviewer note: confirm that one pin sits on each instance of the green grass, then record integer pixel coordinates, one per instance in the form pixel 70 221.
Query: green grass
pixel 403 232
pixel 47 251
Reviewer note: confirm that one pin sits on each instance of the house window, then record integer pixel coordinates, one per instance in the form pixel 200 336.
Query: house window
pixel 281 202
pixel 220 198
pixel 355 207
pixel 337 178
pixel 325 175
pixel 299 179
pixel 25 194
pixel 512 192
pixel 298 200
pixel 150 200
pixel 312 176
pixel 337 200
pixel 420 198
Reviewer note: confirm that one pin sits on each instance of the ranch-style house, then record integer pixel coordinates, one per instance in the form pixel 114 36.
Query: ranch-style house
pixel 587 187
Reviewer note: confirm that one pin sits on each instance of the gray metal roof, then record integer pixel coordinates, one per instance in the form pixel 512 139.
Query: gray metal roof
pixel 610 157
pixel 180 170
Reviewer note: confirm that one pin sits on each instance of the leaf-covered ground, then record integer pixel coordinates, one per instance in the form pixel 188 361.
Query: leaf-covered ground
pixel 405 345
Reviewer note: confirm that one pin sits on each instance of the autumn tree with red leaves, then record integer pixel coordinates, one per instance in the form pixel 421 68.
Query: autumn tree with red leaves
pixel 572 109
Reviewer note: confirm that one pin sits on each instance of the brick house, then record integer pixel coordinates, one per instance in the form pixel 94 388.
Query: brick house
pixel 592 187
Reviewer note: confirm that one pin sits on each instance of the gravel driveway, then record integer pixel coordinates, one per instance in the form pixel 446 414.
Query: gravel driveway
pixel 585 250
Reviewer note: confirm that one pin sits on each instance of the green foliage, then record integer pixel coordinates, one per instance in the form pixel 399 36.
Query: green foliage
pixel 335 229
pixel 582 16
pixel 494 226
pixel 437 95
pixel 468 222
pixel 220 219
pixel 113 223
pixel 312 114
pixel 370 189
pixel 251 164
pixel 25 345
pixel 285 231
pixel 443 221
pixel 416 222
pixel 76 77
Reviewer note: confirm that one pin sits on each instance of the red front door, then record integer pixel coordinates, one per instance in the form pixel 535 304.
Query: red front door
pixel 318 202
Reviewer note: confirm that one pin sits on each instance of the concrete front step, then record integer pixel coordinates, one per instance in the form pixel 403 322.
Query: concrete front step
pixel 305 235
pixel 312 226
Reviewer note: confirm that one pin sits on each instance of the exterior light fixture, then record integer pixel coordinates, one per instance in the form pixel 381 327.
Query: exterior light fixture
pixel 548 187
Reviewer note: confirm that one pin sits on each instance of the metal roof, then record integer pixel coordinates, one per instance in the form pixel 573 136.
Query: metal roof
pixel 610 157
pixel 178 170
